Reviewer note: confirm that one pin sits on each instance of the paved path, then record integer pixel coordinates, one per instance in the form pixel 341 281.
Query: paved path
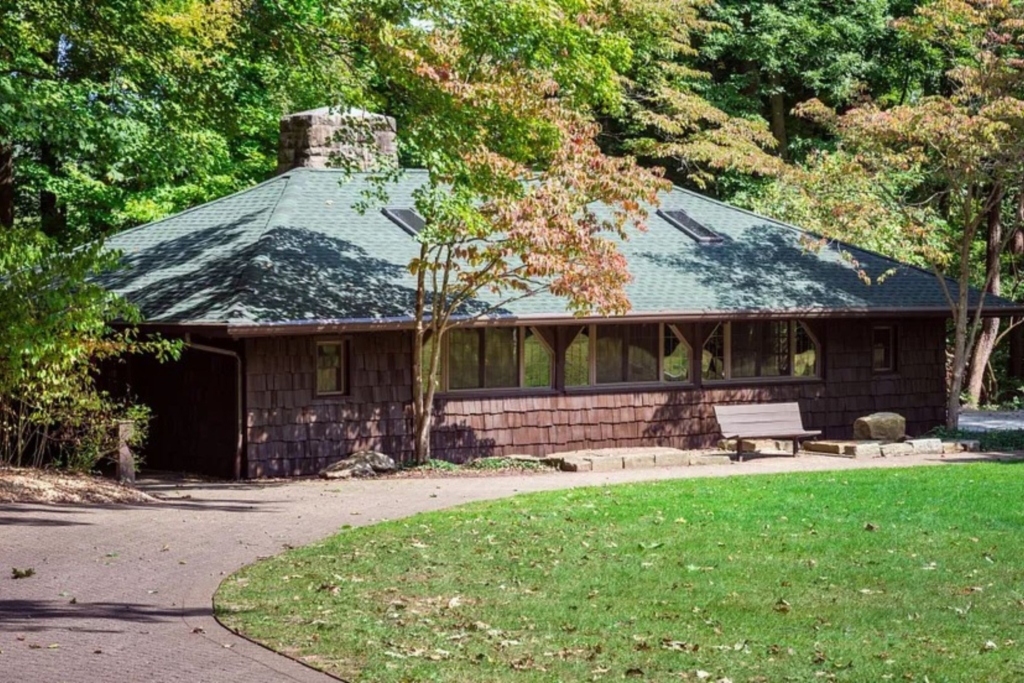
pixel 988 420
pixel 123 593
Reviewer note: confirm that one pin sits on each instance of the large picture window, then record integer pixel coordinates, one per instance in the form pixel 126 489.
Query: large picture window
pixel 759 349
pixel 497 358
pixel 627 354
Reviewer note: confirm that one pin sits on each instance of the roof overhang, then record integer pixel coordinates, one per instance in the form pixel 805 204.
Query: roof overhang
pixel 334 326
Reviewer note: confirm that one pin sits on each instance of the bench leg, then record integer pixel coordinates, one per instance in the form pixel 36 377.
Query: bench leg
pixel 796 447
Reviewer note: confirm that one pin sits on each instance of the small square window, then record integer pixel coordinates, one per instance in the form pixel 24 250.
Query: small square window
pixel 331 376
pixel 883 349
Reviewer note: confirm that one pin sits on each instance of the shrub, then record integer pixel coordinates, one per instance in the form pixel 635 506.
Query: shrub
pixel 56 328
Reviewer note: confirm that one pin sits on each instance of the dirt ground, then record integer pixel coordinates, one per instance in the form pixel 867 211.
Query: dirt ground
pixel 23 485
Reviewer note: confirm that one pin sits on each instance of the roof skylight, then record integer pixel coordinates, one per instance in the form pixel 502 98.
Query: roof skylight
pixel 406 219
pixel 695 230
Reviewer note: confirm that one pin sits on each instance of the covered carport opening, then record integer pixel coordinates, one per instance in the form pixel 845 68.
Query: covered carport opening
pixel 195 402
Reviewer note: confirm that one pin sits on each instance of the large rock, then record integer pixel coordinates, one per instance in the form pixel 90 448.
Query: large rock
pixel 880 427
pixel 362 464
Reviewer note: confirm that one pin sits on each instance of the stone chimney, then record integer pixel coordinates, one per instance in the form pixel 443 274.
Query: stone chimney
pixel 328 138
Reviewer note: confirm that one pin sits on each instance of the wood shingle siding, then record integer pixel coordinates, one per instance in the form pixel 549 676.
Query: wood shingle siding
pixel 292 432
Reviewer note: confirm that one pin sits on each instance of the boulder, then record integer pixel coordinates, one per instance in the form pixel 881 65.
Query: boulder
pixel 362 464
pixel 880 427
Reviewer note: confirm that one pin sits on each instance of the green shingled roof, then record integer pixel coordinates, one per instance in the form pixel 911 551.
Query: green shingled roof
pixel 294 250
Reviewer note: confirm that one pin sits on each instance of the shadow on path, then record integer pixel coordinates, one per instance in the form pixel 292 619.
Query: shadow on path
pixel 38 615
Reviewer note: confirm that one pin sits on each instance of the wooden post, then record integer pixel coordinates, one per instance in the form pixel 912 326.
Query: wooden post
pixel 125 459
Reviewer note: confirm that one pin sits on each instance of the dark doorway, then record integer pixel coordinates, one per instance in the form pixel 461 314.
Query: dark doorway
pixel 194 427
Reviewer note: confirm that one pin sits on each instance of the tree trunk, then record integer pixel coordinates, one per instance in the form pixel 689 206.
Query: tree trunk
pixel 6 185
pixel 777 104
pixel 990 327
pixel 53 216
pixel 1016 243
pixel 422 396
pixel 956 382
pixel 961 318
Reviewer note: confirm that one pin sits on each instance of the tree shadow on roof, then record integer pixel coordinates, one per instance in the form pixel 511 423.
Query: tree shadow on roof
pixel 287 274
pixel 299 274
pixel 188 277
pixel 767 269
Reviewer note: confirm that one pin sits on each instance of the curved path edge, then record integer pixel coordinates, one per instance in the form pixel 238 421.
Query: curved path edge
pixel 125 593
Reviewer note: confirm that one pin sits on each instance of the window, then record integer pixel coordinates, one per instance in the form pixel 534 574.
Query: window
pixel 428 350
pixel 406 219
pixel 686 224
pixel 498 358
pixel 675 354
pixel 805 352
pixel 712 364
pixel 761 349
pixel 538 360
pixel 577 359
pixel 627 354
pixel 486 358
pixel 331 359
pixel 883 349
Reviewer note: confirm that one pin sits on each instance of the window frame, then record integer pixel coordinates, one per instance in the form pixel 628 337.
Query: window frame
pixel 592 383
pixel 444 374
pixel 521 352
pixel 343 370
pixel 893 365
pixel 727 360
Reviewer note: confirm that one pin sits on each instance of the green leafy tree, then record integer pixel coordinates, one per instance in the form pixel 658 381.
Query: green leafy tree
pixel 116 112
pixel 965 147
pixel 665 114
pixel 768 56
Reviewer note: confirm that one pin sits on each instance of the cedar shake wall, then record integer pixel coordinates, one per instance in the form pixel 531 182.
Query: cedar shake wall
pixel 290 431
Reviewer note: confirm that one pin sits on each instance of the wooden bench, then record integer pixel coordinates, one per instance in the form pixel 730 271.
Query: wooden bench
pixel 762 421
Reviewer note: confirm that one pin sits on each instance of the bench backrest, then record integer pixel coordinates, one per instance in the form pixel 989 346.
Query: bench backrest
pixel 759 419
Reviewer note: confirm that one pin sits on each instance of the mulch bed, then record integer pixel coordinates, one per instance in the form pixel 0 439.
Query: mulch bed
pixel 27 485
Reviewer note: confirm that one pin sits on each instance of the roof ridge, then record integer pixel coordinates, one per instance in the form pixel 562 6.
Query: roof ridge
pixel 204 205
pixel 343 171
pixel 241 281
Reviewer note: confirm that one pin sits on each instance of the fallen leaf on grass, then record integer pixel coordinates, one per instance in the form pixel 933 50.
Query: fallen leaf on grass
pixel 782 606
pixel 870 527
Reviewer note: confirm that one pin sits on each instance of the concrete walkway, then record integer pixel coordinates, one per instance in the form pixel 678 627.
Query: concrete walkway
pixel 124 593
pixel 989 420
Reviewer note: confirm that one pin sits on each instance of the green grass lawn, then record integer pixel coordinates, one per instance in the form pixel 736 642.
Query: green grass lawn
pixel 871 575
